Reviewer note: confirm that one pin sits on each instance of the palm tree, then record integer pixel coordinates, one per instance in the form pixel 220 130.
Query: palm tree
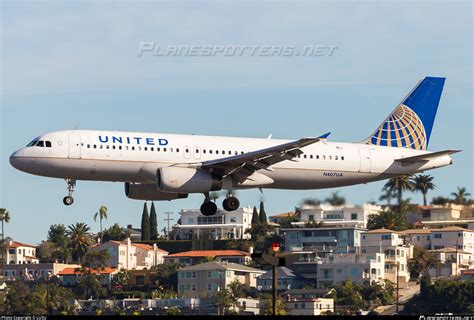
pixel 398 185
pixel 80 239
pixel 385 219
pixel 102 214
pixel 423 183
pixel 387 195
pixel 460 197
pixel 5 218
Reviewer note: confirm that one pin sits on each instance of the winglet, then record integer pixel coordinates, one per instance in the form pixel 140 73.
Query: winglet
pixel 324 136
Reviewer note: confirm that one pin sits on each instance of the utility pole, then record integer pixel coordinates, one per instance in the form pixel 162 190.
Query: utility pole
pixel 275 249
pixel 168 219
pixel 398 295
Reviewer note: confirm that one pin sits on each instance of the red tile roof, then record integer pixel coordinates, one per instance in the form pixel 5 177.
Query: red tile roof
pixel 209 253
pixel 71 271
pixel 382 230
pixel 145 246
pixel 16 244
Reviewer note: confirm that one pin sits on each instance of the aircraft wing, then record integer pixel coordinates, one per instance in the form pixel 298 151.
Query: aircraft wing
pixel 426 156
pixel 241 166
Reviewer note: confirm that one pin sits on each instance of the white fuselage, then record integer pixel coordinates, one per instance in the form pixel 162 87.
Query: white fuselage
pixel 135 157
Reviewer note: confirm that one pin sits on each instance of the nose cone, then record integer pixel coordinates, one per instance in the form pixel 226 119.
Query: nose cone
pixel 14 160
pixel 17 160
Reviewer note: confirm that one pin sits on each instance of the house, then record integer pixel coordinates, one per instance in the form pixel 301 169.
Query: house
pixel 309 306
pixel 197 256
pixel 71 276
pixel 308 293
pixel 340 216
pixel 360 268
pixel 440 216
pixel 324 239
pixel 213 276
pixel 20 253
pixel 286 279
pixel 222 225
pixel 397 254
pixel 420 238
pixel 277 218
pixel 135 234
pixel 467 274
pixel 34 271
pixel 131 256
pixel 454 237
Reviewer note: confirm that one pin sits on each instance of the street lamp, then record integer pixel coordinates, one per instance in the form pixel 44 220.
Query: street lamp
pixel 275 249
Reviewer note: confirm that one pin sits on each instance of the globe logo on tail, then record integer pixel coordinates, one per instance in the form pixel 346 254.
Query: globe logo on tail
pixel 402 129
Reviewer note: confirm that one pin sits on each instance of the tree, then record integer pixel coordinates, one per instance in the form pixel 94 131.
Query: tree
pixel 80 240
pixel 268 310
pixel 153 223
pixel 461 196
pixel 387 219
pixel 440 200
pixel 335 199
pixel 421 262
pixel 262 214
pixel 145 226
pixel 236 291
pixel 115 233
pixel 45 252
pixel 102 214
pixel 255 218
pixel 423 183
pixel 387 195
pixel 348 295
pixel 167 275
pixel 311 201
pixel 399 185
pixel 60 243
pixel 286 222
pixel 223 300
pixel 5 218
pixel 96 260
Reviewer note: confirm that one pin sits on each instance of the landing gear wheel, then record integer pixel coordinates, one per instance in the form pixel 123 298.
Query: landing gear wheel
pixel 209 208
pixel 68 200
pixel 231 204
pixel 71 183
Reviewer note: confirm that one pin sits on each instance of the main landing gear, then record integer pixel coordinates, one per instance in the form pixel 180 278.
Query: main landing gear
pixel 209 208
pixel 68 200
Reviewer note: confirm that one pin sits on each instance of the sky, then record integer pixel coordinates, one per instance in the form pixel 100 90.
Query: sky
pixel 67 65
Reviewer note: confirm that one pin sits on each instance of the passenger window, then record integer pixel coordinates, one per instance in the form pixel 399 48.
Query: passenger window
pixel 113 147
pixel 304 156
pixel 120 147
pixel 95 146
pixel 187 150
pixel 342 157
pixel 324 157
pixel 133 148
pixel 88 146
pixel 177 149
pixel 107 147
pixel 171 149
pixel 204 151
pixel 139 148
pixel 311 156
pixel 230 152
pixel 126 147
pixel 330 157
pixel 145 148
pixel 210 151
pixel 336 157
pixel 152 149
pixel 317 156
pixel 158 149
pixel 48 144
pixel 236 152
pixel 241 152
pixel 164 149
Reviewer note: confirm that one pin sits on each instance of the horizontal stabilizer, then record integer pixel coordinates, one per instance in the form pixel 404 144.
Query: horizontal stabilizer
pixel 427 156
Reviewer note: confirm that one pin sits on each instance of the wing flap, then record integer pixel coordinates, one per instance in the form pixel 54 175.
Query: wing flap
pixel 427 156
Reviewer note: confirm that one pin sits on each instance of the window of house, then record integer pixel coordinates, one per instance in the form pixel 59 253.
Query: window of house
pixel 437 235
pixel 386 237
pixel 353 216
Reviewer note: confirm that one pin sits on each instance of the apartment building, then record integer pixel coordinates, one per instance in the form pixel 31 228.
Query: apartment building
pixel 194 257
pixel 222 225
pixel 310 306
pixel 341 216
pixel 358 267
pixel 453 237
pixel 286 279
pixel 329 239
pixel 34 271
pixel 210 277
pixel 437 216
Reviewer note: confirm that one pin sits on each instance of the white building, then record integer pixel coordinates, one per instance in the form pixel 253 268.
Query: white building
pixel 437 216
pixel 453 237
pixel 34 271
pixel 418 237
pixel 391 243
pixel 222 225
pixel 131 256
pixel 310 307
pixel 20 253
pixel 347 215
pixel 359 268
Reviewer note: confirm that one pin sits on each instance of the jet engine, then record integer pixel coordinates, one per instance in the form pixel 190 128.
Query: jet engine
pixel 145 191
pixel 187 180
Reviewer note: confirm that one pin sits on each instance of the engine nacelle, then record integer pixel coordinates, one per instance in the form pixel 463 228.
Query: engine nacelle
pixel 149 192
pixel 187 180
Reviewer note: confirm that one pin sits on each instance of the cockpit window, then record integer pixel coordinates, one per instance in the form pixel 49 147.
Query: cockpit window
pixel 48 144
pixel 40 143
pixel 32 143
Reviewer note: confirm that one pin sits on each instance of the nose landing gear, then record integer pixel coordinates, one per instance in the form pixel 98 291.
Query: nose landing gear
pixel 71 184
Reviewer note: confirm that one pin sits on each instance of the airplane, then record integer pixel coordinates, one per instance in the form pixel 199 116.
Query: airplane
pixel 158 166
